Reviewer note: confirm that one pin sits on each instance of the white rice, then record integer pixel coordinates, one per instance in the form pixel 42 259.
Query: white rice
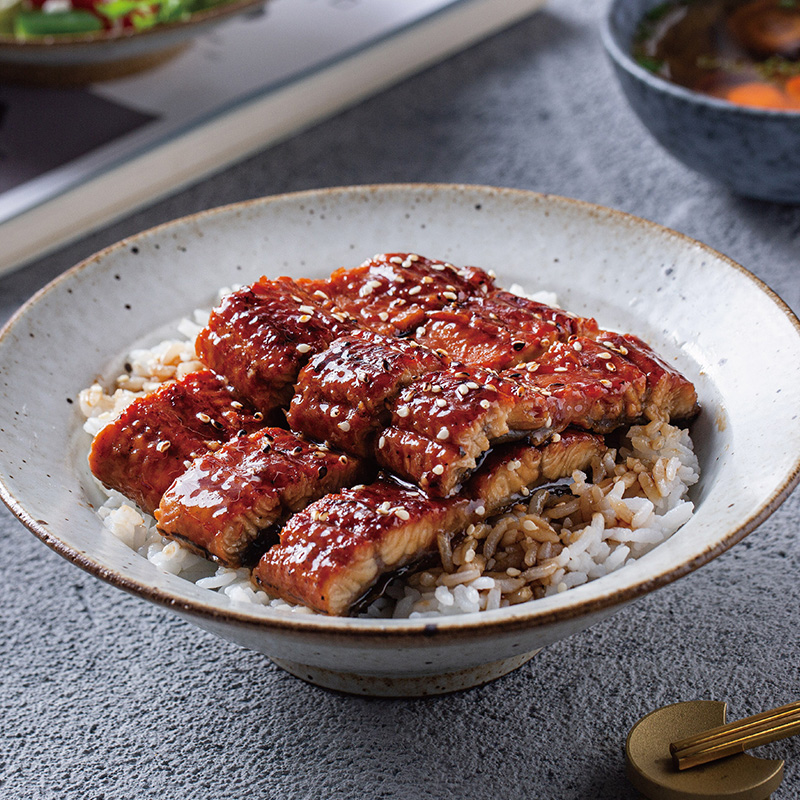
pixel 636 499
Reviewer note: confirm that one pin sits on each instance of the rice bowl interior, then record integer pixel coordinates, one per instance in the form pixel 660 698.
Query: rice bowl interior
pixel 630 274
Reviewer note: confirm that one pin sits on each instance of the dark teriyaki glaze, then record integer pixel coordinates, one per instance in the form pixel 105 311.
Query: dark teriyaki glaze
pixel 342 396
pixel 392 293
pixel 154 440
pixel 261 336
pixel 226 498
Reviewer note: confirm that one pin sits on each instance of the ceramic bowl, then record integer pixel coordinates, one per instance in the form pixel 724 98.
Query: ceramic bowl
pixel 630 274
pixel 753 151
pixel 106 55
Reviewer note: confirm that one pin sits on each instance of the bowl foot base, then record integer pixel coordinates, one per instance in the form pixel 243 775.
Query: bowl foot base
pixel 404 685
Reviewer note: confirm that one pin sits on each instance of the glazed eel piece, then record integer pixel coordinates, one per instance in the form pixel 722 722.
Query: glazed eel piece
pixel 259 338
pixel 393 293
pixel 372 395
pixel 334 551
pixel 157 436
pixel 403 404
pixel 229 502
pixel 602 384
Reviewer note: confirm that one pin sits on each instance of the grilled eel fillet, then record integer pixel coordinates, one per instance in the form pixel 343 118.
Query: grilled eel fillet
pixel 332 553
pixel 155 438
pixel 367 392
pixel 228 501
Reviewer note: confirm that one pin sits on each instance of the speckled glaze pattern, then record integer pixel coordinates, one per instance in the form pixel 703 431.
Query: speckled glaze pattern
pixel 631 274
pixel 755 152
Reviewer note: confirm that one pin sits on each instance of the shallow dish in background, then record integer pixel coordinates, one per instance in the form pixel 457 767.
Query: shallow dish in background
pixel 630 274
pixel 107 55
pixel 753 151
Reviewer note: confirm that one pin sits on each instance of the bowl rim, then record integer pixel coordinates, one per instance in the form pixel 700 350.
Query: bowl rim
pixel 514 618
pixel 622 58
pixel 11 44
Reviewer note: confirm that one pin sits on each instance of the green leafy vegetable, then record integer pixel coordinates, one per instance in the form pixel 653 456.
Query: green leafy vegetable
pixel 38 23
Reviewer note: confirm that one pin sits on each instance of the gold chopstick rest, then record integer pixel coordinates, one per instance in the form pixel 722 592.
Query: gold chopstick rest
pixel 736 737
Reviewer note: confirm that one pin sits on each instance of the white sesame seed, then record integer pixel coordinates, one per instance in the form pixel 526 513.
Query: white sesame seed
pixel 335 412
pixel 306 309
pixel 381 442
pixel 203 417
pixel 413 257
pixel 450 295
pixel 427 279
pixel 304 318
pixel 532 367
pixel 556 437
pixel 604 355
pixel 420 331
pixel 415 290
pixel 395 260
pixel 443 434
pixel 485 404
pixel 441 402
pixel 342 459
pixel 236 404
pixel 162 446
pixel 438 469
pixel 383 316
pixel 480 511
pixel 344 426
pixel 473 385
pixel 403 411
pixel 402 514
pixel 611 367
pixel 577 347
pixel 303 348
pixel 525 491
pixel 320 293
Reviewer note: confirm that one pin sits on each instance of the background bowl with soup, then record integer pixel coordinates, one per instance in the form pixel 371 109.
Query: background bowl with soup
pixel 717 83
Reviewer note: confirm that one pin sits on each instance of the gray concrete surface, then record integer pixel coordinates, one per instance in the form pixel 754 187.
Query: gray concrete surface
pixel 105 696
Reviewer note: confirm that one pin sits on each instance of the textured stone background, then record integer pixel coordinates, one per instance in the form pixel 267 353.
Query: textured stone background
pixel 105 696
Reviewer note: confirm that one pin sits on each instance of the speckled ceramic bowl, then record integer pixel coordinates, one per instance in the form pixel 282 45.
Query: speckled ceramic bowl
pixel 753 151
pixel 630 274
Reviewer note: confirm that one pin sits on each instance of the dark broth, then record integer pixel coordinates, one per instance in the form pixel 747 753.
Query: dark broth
pixel 744 51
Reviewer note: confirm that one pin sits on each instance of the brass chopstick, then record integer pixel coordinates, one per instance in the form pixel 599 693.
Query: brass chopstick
pixel 736 737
